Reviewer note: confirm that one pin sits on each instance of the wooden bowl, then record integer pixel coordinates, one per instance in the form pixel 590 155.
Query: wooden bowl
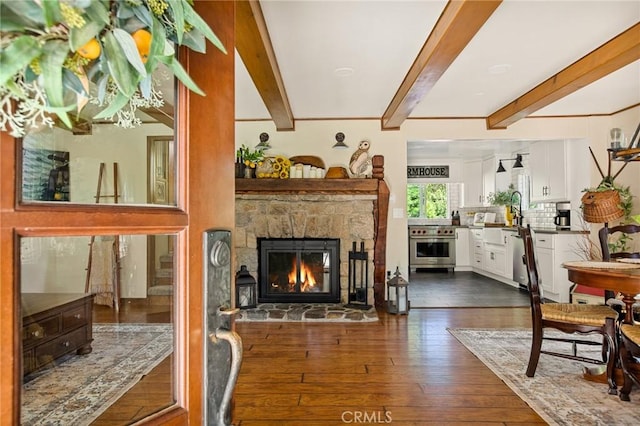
pixel 337 173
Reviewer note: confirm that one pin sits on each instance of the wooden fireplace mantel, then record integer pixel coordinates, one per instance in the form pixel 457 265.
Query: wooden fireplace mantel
pixel 357 186
pixel 307 186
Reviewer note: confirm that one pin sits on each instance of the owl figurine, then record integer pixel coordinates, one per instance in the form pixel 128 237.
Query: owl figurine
pixel 360 164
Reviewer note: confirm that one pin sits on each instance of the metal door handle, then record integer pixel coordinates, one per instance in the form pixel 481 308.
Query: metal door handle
pixel 235 342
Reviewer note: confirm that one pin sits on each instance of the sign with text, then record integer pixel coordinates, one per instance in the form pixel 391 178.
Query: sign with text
pixel 427 172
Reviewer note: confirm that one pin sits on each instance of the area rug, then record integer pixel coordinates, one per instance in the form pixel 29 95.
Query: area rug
pixel 80 388
pixel 557 392
pixel 308 312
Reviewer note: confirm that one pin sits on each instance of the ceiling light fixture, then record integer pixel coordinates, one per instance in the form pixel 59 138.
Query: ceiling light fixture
pixel 264 144
pixel 343 72
pixel 516 165
pixel 340 141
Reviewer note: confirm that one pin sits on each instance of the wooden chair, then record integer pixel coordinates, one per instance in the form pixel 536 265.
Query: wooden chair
pixel 629 355
pixel 603 235
pixel 568 318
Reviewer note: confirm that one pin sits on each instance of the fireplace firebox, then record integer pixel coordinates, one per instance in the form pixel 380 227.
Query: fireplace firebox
pixel 299 270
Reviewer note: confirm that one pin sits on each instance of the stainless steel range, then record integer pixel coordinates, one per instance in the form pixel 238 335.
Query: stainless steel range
pixel 432 246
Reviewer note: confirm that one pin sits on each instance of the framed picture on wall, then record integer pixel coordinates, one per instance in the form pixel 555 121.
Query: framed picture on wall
pixel 45 175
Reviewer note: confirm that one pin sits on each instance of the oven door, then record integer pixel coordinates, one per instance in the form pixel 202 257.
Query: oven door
pixel 436 252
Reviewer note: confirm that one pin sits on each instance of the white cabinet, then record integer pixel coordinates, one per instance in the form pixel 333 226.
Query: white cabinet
pixel 551 251
pixel 495 251
pixel 548 171
pixel 476 249
pixel 472 190
pixel 488 179
pixel 479 178
pixel 463 260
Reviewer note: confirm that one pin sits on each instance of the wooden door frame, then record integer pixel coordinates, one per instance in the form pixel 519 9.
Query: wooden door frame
pixel 206 148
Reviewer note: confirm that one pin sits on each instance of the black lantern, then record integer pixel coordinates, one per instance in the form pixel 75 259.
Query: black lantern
pixel 398 287
pixel 245 289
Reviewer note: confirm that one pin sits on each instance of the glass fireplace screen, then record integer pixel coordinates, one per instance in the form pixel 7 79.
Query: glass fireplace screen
pixel 299 270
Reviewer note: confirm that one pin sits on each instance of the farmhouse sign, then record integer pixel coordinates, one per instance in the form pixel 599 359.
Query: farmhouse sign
pixel 427 172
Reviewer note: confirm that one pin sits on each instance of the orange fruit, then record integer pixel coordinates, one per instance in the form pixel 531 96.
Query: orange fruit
pixel 143 43
pixel 91 50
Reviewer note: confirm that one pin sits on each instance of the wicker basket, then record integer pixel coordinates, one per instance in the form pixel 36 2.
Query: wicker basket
pixel 601 206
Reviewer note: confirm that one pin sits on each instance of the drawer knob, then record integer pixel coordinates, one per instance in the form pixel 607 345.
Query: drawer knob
pixel 66 344
pixel 36 333
pixel 77 316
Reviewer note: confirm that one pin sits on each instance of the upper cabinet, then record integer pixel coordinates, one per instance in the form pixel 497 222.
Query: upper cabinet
pixel 548 171
pixel 558 172
pixel 472 189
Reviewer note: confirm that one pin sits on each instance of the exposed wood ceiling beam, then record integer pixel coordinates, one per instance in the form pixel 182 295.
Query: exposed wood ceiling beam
pixel 164 114
pixel 254 47
pixel 611 56
pixel 457 25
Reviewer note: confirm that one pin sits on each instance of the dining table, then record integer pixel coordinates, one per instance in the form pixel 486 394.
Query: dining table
pixel 622 278
pixel 617 276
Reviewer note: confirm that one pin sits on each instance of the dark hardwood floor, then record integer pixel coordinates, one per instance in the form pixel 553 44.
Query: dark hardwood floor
pixel 402 370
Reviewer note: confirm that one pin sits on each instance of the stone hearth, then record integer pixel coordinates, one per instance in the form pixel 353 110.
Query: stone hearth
pixel 306 312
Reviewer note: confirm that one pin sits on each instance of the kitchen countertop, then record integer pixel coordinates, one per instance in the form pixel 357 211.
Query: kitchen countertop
pixel 538 230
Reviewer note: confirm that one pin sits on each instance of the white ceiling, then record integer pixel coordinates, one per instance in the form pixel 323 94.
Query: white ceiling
pixel 522 44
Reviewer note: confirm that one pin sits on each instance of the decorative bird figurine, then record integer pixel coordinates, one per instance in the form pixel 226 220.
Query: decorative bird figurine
pixel 360 163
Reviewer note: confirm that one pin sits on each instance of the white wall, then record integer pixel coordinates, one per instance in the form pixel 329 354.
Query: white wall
pixel 317 138
pixel 59 264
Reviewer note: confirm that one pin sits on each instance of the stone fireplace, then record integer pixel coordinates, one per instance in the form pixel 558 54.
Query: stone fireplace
pixel 347 210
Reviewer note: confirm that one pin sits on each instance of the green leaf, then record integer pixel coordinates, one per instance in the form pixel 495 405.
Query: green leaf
pixel 158 42
pixel 51 12
pixel 120 101
pixel 54 54
pixel 145 87
pixel 195 41
pixel 97 12
pixel 121 72
pixel 181 74
pixel 178 18
pixel 143 14
pixel 17 56
pixel 130 50
pixel 78 37
pixel 11 21
pixel 28 9
pixel 194 19
pixel 102 88
pixel 71 82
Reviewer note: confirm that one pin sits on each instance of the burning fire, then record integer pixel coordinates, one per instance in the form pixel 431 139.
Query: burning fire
pixel 307 280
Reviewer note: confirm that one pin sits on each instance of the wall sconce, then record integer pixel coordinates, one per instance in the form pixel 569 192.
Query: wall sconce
pixel 516 165
pixel 264 144
pixel 340 141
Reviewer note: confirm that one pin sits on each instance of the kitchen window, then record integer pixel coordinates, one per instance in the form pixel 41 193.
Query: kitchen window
pixel 431 200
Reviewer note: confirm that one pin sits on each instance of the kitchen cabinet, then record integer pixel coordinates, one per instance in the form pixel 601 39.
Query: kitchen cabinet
pixel 551 250
pixel 472 190
pixel 463 260
pixel 548 171
pixel 479 178
pixel 476 252
pixel 495 251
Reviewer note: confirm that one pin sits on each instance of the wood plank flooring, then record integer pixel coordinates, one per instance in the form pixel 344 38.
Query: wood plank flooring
pixel 402 370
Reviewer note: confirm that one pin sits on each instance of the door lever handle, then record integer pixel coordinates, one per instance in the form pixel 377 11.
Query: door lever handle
pixel 235 342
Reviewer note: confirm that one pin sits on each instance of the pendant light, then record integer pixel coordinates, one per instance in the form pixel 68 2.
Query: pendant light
pixel 500 168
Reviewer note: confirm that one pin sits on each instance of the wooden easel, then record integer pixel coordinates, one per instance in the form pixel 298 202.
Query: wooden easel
pixel 116 241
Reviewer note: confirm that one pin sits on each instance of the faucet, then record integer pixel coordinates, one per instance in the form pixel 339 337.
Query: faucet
pixel 518 217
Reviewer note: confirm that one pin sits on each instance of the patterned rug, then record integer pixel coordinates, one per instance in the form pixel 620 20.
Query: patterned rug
pixel 557 392
pixel 80 388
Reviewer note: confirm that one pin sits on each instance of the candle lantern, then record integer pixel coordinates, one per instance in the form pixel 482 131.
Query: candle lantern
pixel 246 288
pixel 398 295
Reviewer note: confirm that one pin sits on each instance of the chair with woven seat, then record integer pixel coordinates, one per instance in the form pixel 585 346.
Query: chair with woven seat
pixel 568 318
pixel 629 358
pixel 604 236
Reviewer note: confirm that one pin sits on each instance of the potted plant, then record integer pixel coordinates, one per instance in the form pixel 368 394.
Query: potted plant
pixel 58 56
pixel 250 159
pixel 505 198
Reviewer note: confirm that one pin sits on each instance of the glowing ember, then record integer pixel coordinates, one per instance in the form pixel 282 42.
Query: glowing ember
pixel 307 280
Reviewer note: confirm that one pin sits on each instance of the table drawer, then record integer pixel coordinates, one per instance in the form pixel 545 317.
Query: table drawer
pixel 64 344
pixel 37 331
pixel 74 318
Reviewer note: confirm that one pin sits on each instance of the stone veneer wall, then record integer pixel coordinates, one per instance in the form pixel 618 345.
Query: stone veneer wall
pixel 346 217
